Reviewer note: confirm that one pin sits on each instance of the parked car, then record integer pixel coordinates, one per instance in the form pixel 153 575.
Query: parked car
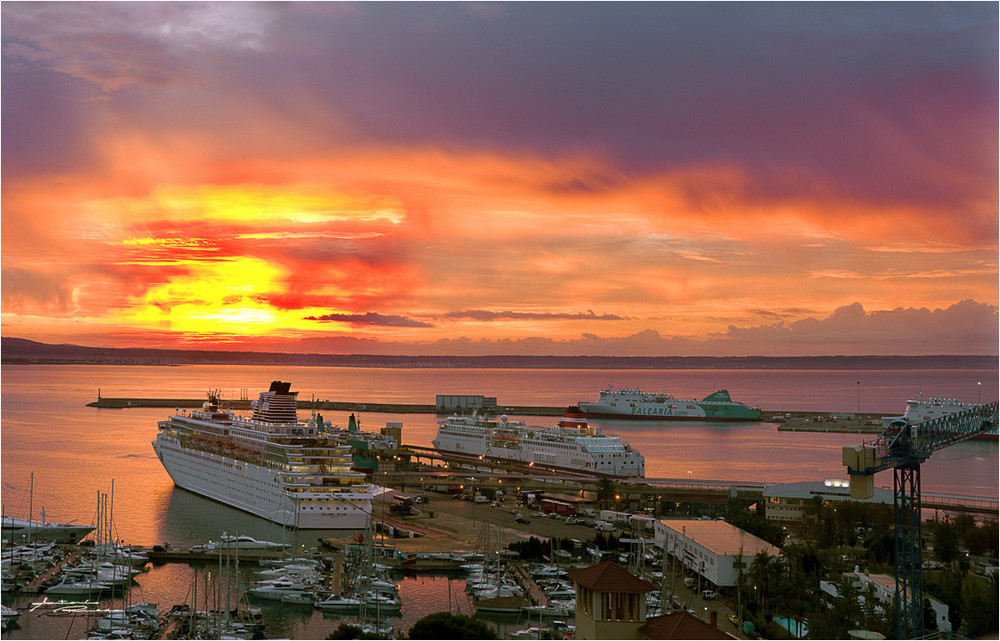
pixel 708 594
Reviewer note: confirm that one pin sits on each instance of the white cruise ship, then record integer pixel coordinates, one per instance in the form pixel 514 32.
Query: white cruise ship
pixel 270 464
pixel 572 446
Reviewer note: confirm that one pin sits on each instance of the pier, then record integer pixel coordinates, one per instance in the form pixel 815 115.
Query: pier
pixel 336 406
pixel 791 420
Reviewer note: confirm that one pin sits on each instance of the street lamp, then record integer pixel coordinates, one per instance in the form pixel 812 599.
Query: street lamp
pixel 980 384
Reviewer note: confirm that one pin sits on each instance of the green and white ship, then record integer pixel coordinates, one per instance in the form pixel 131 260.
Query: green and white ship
pixel 634 403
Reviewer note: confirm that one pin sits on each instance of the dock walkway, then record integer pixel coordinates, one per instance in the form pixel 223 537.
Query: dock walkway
pixel 35 586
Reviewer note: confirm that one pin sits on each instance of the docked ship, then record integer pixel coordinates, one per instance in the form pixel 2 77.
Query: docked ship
pixel 919 410
pixel 270 464
pixel 634 403
pixel 571 447
pixel 15 529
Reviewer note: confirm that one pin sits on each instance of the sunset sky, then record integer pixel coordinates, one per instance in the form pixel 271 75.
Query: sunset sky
pixel 491 178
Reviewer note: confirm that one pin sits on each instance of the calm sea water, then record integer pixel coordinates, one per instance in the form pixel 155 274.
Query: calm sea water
pixel 75 452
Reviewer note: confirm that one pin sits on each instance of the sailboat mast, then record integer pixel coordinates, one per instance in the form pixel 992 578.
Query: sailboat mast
pixel 31 498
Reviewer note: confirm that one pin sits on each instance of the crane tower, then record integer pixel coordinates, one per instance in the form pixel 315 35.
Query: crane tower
pixel 903 446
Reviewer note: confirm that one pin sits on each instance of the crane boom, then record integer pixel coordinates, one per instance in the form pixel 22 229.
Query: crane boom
pixel 903 443
pixel 903 446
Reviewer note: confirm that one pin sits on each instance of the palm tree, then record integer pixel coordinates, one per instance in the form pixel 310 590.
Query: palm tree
pixel 763 566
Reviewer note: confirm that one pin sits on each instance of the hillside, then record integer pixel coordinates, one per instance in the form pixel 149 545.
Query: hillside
pixel 23 351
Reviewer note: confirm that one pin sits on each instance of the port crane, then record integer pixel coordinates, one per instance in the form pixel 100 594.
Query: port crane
pixel 903 446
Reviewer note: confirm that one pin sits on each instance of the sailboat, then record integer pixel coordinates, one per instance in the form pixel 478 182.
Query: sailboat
pixel 495 592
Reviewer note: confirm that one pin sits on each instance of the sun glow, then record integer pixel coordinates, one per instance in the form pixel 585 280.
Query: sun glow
pixel 214 297
pixel 249 203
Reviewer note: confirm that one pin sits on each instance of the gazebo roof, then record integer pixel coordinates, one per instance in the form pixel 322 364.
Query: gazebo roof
pixel 681 625
pixel 610 577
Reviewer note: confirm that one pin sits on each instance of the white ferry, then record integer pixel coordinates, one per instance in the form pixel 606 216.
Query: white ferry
pixel 270 464
pixel 572 446
pixel 919 410
pixel 634 403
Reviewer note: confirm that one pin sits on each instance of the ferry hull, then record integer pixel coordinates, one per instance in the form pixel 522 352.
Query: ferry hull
pixel 257 490
pixel 653 416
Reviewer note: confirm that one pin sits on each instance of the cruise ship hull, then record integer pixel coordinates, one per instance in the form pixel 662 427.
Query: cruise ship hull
pixel 257 489
pixel 530 466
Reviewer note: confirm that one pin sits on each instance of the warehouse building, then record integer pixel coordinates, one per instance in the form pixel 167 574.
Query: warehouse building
pixel 716 550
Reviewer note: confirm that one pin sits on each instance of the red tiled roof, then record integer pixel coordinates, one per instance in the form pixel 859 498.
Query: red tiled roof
pixel 681 625
pixel 610 577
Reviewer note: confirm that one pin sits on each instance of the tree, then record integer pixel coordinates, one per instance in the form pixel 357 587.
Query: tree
pixel 605 490
pixel 763 568
pixel 930 616
pixel 842 615
pixel 980 602
pixel 445 625
pixel 945 541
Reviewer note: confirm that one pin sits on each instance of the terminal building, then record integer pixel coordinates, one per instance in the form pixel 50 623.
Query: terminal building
pixel 716 550
pixel 791 503
pixel 464 403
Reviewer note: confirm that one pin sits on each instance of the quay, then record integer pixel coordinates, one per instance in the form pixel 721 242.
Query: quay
pixel 336 406
pixel 791 420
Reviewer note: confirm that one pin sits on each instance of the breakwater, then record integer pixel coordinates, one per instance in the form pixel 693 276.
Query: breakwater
pixel 797 420
pixel 342 406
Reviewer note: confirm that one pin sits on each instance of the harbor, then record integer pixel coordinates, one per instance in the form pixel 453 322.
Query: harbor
pixel 692 470
pixel 457 541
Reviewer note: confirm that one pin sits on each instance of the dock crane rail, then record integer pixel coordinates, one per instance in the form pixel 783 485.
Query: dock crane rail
pixel 903 446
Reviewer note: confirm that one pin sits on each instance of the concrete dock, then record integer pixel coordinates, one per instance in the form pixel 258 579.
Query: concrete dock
pixel 336 406
pixel 792 420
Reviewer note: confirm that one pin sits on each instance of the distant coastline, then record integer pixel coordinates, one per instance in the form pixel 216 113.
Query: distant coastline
pixel 19 351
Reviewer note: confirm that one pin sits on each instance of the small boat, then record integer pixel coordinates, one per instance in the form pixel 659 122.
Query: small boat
pixel 501 605
pixel 73 585
pixel 244 542
pixel 553 609
pixel 8 615
pixel 338 603
pixel 298 597
pixel 378 600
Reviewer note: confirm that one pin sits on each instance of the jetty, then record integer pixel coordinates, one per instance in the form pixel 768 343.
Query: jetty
pixel 119 403
pixel 791 420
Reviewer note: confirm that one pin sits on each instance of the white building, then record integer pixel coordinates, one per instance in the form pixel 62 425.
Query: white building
pixel 711 548
pixel 885 590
